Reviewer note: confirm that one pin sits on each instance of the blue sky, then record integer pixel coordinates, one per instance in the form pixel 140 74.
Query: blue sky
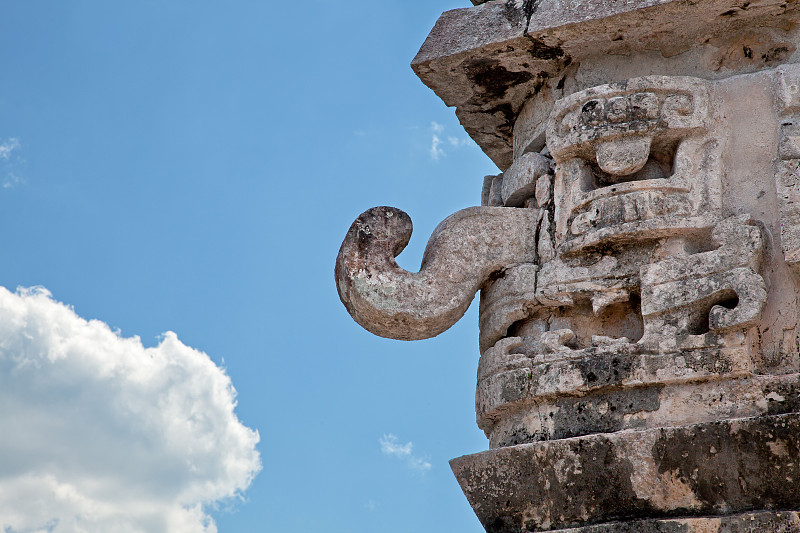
pixel 193 167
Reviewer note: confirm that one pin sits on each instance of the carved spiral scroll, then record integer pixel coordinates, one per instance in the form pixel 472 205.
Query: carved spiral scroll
pixel 464 250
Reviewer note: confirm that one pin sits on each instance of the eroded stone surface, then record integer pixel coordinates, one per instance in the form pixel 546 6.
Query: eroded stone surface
pixel 639 262
pixel 718 468
pixel 487 60
pixel 764 522
pixel 464 250
pixel 520 418
pixel 521 179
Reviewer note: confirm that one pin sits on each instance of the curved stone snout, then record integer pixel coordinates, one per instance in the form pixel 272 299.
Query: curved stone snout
pixel 464 250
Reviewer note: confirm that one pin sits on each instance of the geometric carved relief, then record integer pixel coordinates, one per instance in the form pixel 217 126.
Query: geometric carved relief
pixel 634 376
pixel 709 292
pixel 787 175
pixel 634 158
pixel 644 283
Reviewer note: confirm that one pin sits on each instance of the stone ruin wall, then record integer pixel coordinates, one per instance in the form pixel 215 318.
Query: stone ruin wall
pixel 638 262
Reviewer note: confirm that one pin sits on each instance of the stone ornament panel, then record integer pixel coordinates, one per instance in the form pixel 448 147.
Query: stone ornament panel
pixel 787 173
pixel 634 158
pixel 659 289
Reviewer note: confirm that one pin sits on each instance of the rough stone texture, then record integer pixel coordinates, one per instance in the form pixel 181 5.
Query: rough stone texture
pixel 512 417
pixel 765 522
pixel 717 468
pixel 487 60
pixel 638 260
pixel 509 298
pixel 464 250
pixel 635 157
pixel 519 182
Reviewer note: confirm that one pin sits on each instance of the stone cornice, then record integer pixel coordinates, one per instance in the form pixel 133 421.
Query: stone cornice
pixel 488 59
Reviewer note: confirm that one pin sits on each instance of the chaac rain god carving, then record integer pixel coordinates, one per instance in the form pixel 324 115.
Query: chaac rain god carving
pixel 638 262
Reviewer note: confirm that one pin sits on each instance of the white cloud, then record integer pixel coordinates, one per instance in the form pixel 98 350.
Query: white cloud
pixel 390 445
pixel 12 180
pixel 102 434
pixel 436 149
pixel 417 463
pixel 7 147
pixel 455 142
pixel 9 165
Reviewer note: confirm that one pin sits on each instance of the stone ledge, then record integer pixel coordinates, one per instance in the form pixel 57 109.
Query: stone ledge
pixel 767 522
pixel 656 406
pixel 718 468
pixel 488 59
pixel 616 366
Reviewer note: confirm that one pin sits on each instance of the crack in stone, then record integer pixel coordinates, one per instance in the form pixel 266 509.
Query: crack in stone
pixel 529 9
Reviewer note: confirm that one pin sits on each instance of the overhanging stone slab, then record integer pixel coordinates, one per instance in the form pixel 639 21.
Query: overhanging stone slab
pixel 718 468
pixel 486 60
pixel 765 522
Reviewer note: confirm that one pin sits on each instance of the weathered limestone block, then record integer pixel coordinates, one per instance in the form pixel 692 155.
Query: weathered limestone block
pixel 718 468
pixel 603 282
pixel 515 388
pixel 464 250
pixel 486 60
pixel 712 291
pixel 508 297
pixel 521 179
pixel 612 410
pixel 491 194
pixel 638 258
pixel 764 522
pixel 787 173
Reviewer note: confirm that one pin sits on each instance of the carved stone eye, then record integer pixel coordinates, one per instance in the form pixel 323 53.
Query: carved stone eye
pixel 678 104
pixel 644 106
pixel 617 109
pixel 593 112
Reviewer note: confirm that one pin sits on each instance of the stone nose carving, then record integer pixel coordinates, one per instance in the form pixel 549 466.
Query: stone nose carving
pixel 462 253
pixel 623 157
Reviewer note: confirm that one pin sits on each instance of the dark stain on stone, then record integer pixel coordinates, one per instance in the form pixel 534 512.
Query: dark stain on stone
pixel 502 524
pixel 515 389
pixel 540 50
pixel 748 52
pixel 493 78
pixel 514 16
pixel 599 413
pixel 507 112
pixel 613 495
pixel 783 398
pixel 776 54
pixel 735 465
pixel 598 371
pixel 729 467
pixel 530 8
pixel 521 436
pixel 759 522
